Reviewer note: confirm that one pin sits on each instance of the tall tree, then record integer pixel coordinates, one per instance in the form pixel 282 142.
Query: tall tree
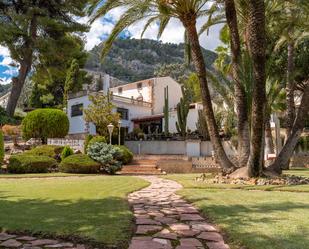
pixel 25 25
pixel 188 12
pixel 257 50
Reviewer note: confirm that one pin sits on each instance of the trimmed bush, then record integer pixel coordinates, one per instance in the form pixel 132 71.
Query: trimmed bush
pixel 67 151
pixel 87 140
pixel 126 155
pixel 79 163
pixel 52 151
pixel 1 147
pixel 23 163
pixel 107 155
pixel 97 139
pixel 45 123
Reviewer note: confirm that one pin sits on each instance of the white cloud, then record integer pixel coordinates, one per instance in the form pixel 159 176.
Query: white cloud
pixel 5 81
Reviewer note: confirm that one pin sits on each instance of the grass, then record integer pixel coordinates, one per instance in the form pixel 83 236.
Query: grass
pixel 43 175
pixel 272 219
pixel 93 207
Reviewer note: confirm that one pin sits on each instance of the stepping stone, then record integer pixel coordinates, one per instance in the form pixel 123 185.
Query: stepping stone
pixel 60 245
pixel 26 246
pixel 149 244
pixel 142 216
pixel 146 222
pixel 162 241
pixel 190 242
pixel 11 243
pixel 165 220
pixel 186 247
pixel 144 229
pixel 187 233
pixel 179 226
pixel 190 217
pixel 211 236
pixel 217 245
pixel 26 238
pixel 187 210
pixel 5 236
pixel 202 226
pixel 166 234
pixel 42 242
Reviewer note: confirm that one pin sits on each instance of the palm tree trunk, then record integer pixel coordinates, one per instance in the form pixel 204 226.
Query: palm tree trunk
pixel 200 67
pixel 290 112
pixel 25 67
pixel 240 94
pixel 282 161
pixel 257 44
pixel 269 142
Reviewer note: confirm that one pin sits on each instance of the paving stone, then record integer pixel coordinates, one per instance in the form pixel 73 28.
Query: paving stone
pixel 217 245
pixel 60 245
pixel 165 220
pixel 162 241
pixel 187 233
pixel 146 222
pixel 190 217
pixel 144 229
pixel 211 236
pixel 190 242
pixel 146 244
pixel 11 243
pixel 179 226
pixel 30 247
pixel 203 226
pixel 187 210
pixel 5 236
pixel 166 234
pixel 42 242
pixel 186 247
pixel 26 238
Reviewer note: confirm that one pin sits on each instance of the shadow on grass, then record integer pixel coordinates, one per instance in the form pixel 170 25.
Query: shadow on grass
pixel 105 222
pixel 245 224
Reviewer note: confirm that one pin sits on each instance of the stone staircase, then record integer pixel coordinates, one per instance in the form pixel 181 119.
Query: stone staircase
pixel 145 165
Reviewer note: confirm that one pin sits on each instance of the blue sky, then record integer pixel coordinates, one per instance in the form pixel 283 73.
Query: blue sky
pixel 102 27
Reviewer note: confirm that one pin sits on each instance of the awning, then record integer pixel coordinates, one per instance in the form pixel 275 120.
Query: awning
pixel 148 118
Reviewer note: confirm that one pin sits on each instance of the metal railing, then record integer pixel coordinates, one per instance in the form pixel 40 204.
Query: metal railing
pixel 131 101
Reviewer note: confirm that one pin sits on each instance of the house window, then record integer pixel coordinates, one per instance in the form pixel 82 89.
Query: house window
pixel 139 85
pixel 124 113
pixel 77 110
pixel 119 90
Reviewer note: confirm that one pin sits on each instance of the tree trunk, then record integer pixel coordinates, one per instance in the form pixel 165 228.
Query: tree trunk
pixel 287 151
pixel 269 142
pixel 256 27
pixel 240 93
pixel 290 110
pixel 200 67
pixel 25 67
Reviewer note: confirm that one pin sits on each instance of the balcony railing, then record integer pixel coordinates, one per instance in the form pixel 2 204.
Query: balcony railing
pixel 130 101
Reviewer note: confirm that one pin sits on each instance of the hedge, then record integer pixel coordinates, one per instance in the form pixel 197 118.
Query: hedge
pixel 79 163
pixel 52 151
pixel 23 163
pixel 45 123
pixel 126 155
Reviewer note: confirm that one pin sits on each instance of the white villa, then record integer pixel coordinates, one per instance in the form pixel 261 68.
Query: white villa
pixel 140 104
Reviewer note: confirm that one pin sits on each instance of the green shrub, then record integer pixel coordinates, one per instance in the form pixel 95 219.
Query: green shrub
pixel 45 123
pixel 107 155
pixel 87 140
pixel 79 163
pixel 24 163
pixel 97 139
pixel 126 155
pixel 67 151
pixel 52 151
pixel 1 147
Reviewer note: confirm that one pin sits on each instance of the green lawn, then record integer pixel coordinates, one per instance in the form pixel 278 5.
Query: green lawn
pixel 93 207
pixel 273 219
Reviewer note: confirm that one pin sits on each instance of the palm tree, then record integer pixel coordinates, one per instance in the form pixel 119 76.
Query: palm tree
pixel 162 11
pixel 257 50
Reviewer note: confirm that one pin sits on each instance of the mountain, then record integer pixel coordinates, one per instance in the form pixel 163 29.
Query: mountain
pixel 4 89
pixel 131 59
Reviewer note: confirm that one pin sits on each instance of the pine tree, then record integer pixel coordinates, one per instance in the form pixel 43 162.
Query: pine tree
pixel 26 27
pixel 72 81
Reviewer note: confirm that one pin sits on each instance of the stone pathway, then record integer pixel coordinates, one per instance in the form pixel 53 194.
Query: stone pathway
pixel 29 242
pixel 165 221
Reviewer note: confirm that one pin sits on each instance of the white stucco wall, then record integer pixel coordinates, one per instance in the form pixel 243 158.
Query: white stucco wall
pixel 175 94
pixel 78 124
pixel 135 111
pixel 131 90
